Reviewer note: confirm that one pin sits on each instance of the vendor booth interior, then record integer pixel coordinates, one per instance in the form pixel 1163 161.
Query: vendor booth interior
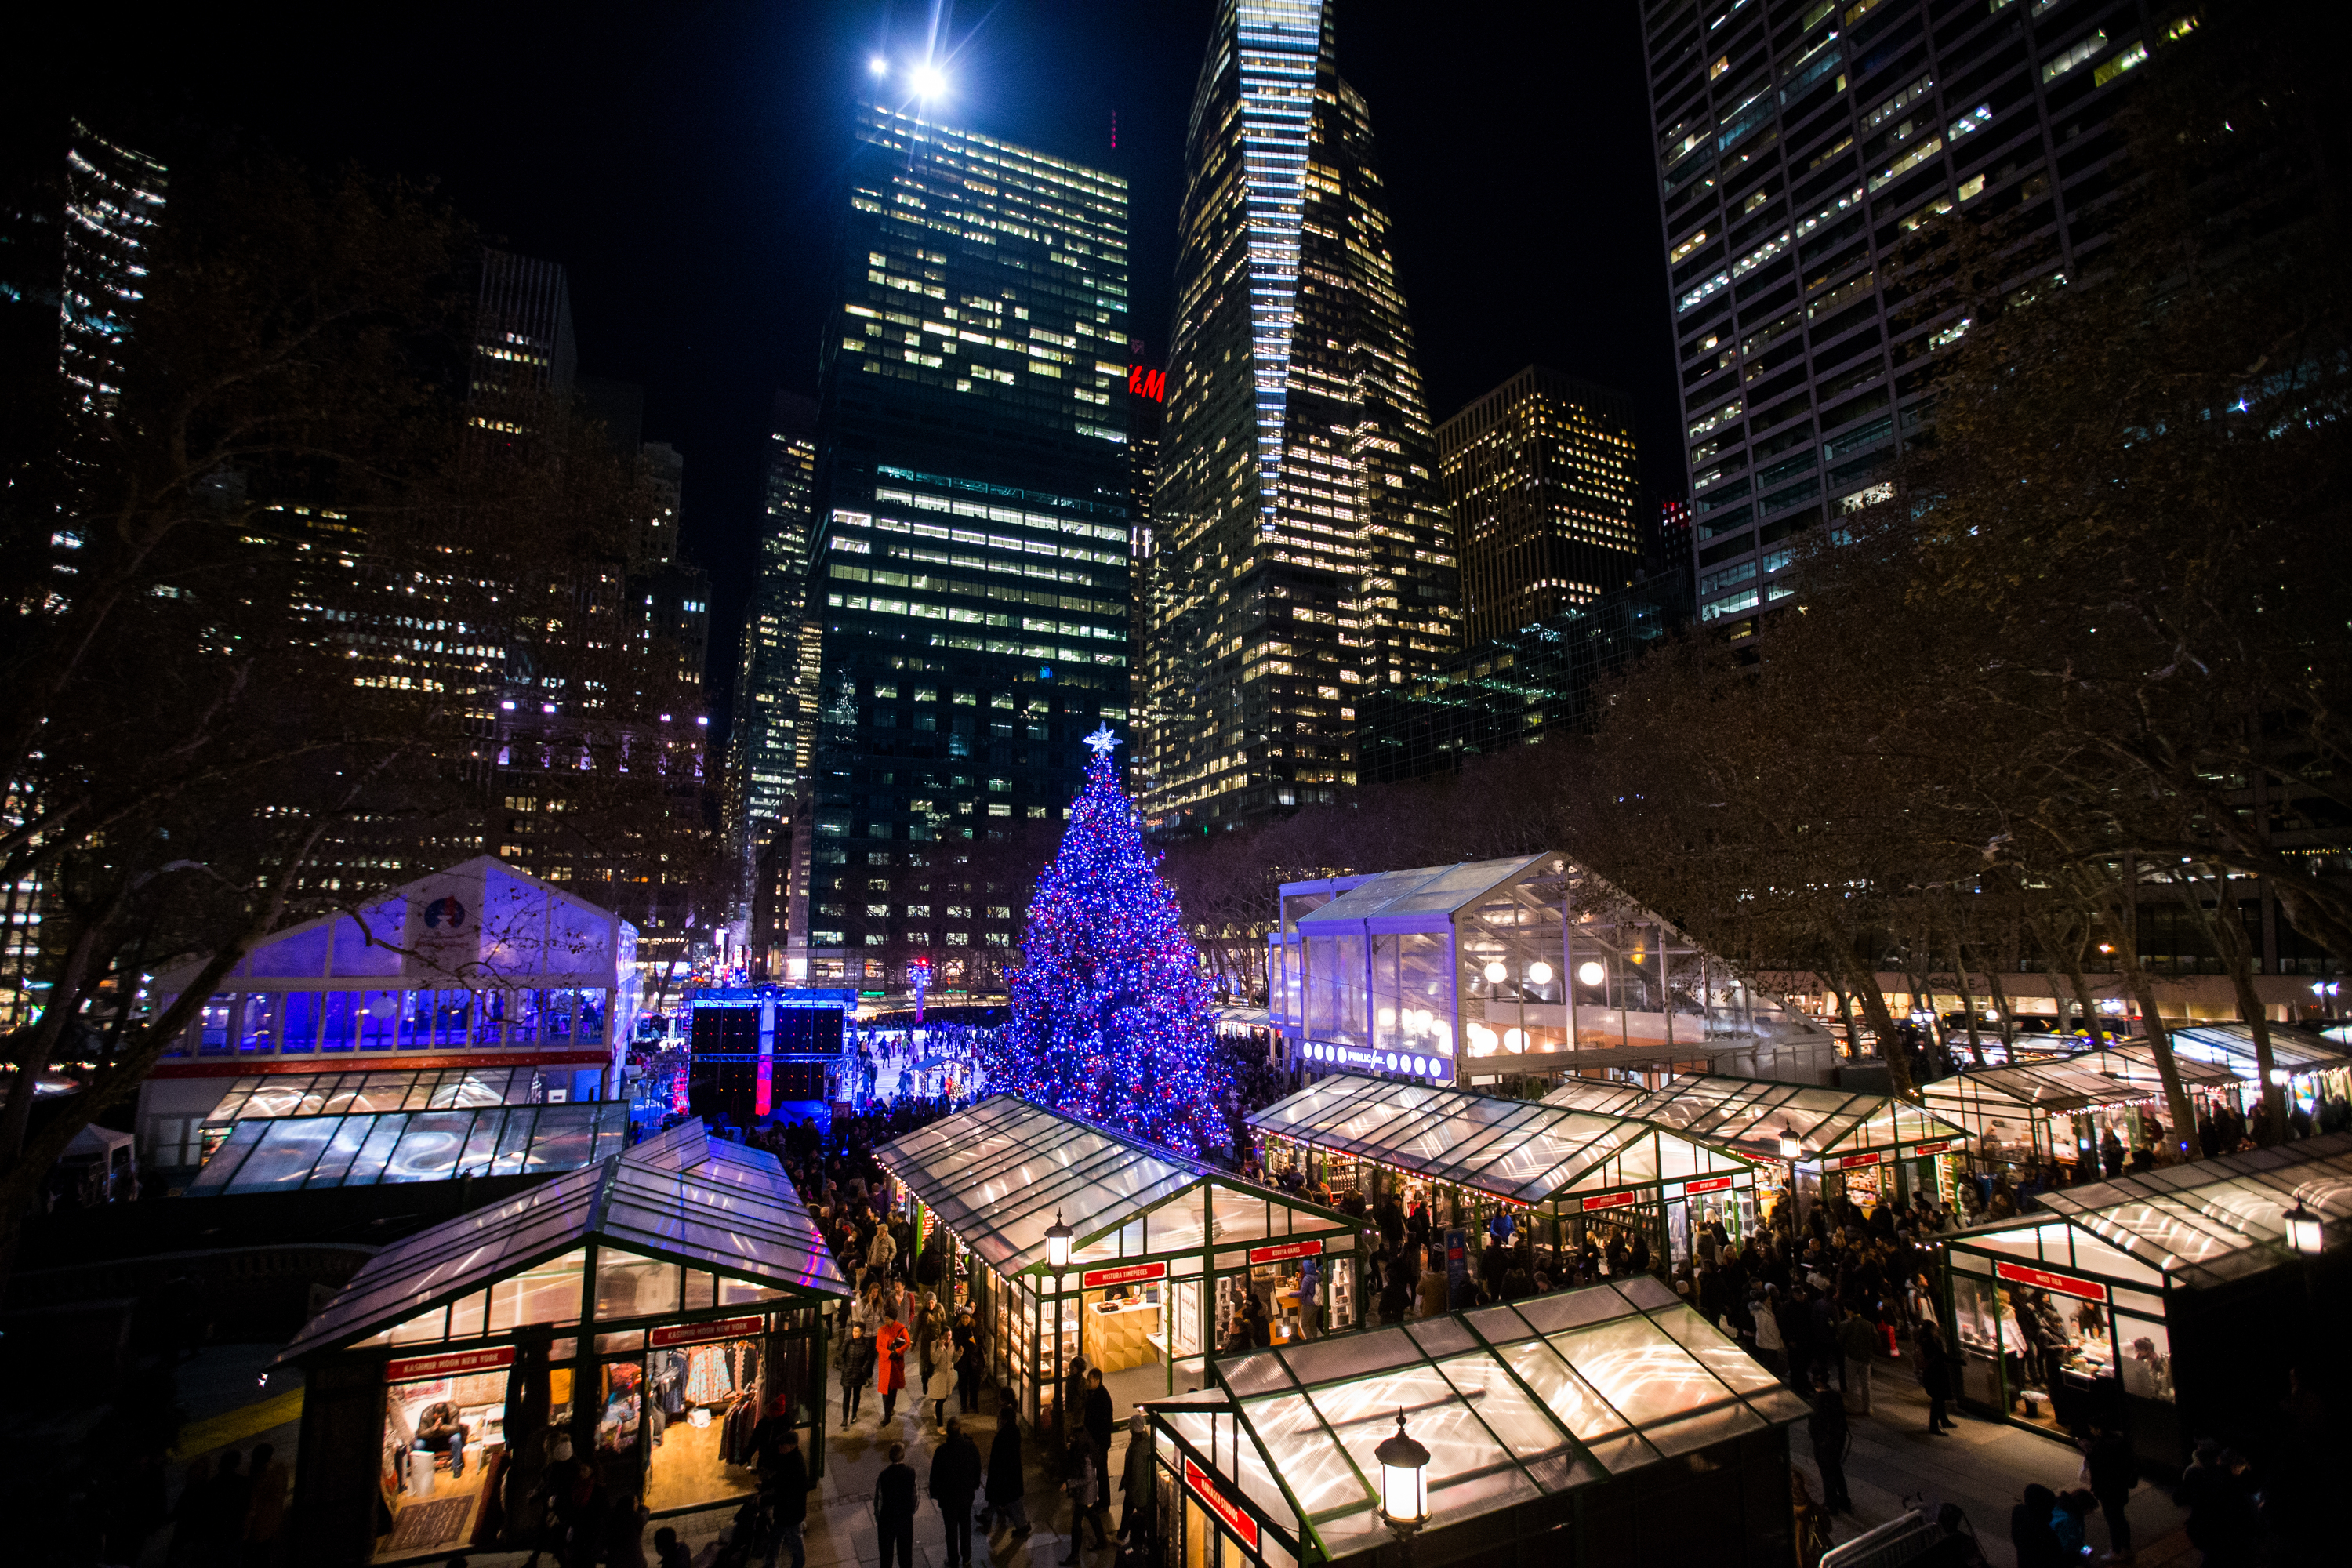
pixel 642 1311
pixel 2030 1115
pixel 2173 1300
pixel 1849 1144
pixel 1463 974
pixel 1510 1170
pixel 1162 1259
pixel 1607 1425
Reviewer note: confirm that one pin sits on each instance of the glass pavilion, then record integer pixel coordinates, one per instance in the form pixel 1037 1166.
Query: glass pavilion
pixel 2028 1115
pixel 1165 1256
pixel 2169 1298
pixel 1565 1425
pixel 2311 1061
pixel 1860 1145
pixel 305 1154
pixel 1476 1159
pixel 1462 973
pixel 649 1306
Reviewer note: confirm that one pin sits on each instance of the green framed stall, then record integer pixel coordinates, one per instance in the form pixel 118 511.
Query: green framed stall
pixel 1165 1253
pixel 2034 1113
pixel 2169 1301
pixel 648 1307
pixel 1605 1425
pixel 1477 1156
pixel 1854 1144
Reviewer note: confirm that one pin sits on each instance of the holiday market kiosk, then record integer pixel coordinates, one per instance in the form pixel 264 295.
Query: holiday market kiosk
pixel 1163 1253
pixel 2309 1063
pixel 1863 1146
pixel 2170 1298
pixel 1476 1159
pixel 1608 1424
pixel 642 1311
pixel 2028 1115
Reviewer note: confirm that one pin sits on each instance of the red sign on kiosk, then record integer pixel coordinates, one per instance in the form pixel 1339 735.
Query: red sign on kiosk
pixel 1127 1274
pixel 448 1365
pixel 1607 1201
pixel 2064 1284
pixel 1712 1185
pixel 1848 1162
pixel 1239 1522
pixel 694 1333
pixel 1925 1148
pixel 1286 1249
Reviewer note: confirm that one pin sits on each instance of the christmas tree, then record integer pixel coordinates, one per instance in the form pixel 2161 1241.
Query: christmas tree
pixel 1111 1018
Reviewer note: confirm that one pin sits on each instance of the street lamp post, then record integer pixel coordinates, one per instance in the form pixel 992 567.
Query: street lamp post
pixel 1057 1259
pixel 1792 1149
pixel 2306 1238
pixel 1404 1486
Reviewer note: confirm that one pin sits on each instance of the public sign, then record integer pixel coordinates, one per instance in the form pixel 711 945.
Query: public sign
pixel 449 1365
pixel 1125 1274
pixel 1925 1148
pixel 694 1333
pixel 1286 1249
pixel 1712 1185
pixel 1849 1161
pixel 1239 1522
pixel 1607 1201
pixel 2089 1291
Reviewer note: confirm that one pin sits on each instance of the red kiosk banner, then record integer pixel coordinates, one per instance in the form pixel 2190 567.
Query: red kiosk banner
pixel 1712 1185
pixel 1286 1249
pixel 1607 1201
pixel 1236 1520
pixel 1127 1274
pixel 2065 1285
pixel 448 1365
pixel 694 1333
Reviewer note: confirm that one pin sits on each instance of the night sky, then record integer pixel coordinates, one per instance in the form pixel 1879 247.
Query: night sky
pixel 674 157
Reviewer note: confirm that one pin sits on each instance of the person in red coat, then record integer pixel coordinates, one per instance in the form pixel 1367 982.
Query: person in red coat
pixel 890 1364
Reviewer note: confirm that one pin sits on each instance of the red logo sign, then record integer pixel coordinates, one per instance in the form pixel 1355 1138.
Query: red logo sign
pixel 1848 1162
pixel 1127 1274
pixel 448 1365
pixel 2063 1284
pixel 1920 1149
pixel 1286 1249
pixel 1712 1185
pixel 1613 1201
pixel 1237 1521
pixel 1142 381
pixel 694 1333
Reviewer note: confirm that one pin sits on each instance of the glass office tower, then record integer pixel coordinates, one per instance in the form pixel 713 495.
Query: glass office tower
pixel 1799 142
pixel 1301 555
pixel 969 560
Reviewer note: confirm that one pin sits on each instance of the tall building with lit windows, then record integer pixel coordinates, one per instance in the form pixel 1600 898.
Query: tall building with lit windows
pixel 968 559
pixel 1302 556
pixel 1539 475
pixel 1799 142
pixel 114 199
pixel 523 346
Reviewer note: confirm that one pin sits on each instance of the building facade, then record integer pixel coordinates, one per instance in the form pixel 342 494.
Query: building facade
pixel 969 557
pixel 1302 557
pixel 1799 142
pixel 114 199
pixel 1539 474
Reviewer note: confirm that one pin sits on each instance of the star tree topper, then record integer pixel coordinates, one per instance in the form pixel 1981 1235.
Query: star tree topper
pixel 1102 740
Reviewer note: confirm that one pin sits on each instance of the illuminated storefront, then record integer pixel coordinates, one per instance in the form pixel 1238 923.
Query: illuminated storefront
pixel 1489 1164
pixel 1611 1423
pixel 2173 1301
pixel 1164 1253
pixel 2026 1116
pixel 646 1310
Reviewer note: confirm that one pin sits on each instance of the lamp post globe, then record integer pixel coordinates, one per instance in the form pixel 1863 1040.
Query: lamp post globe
pixel 2303 1231
pixel 1058 1244
pixel 1404 1481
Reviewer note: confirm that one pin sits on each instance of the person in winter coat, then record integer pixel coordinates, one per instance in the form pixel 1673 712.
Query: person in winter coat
pixel 1857 1339
pixel 854 1361
pixel 942 1379
pixel 967 1375
pixel 1934 1365
pixel 784 1482
pixel 1082 1481
pixel 2029 1534
pixel 890 1363
pixel 624 1532
pixel 1008 1483
pixel 2067 1515
pixel 1827 1428
pixel 1137 1499
pixel 894 1510
pixel 881 1253
pixel 1433 1291
pixel 1770 1348
pixel 955 1477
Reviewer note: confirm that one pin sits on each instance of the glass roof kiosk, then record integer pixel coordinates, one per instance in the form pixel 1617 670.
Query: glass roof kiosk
pixel 1608 1424
pixel 2311 1063
pixel 1502 1170
pixel 1167 1257
pixel 650 1308
pixel 2030 1116
pixel 2173 1300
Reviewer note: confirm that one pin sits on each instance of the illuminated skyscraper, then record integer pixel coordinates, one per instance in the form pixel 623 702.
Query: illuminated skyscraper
pixel 1302 555
pixel 970 552
pixel 114 198
pixel 1539 474
pixel 766 746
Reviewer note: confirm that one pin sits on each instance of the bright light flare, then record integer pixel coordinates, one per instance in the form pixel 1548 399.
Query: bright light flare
pixel 930 81
pixel 878 66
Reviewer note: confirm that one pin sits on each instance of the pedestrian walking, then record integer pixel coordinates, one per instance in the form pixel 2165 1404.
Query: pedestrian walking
pixel 1099 1420
pixel 890 1362
pixel 1008 1483
pixel 783 1481
pixel 942 1379
pixel 2113 1469
pixel 955 1480
pixel 2030 1532
pixel 624 1532
pixel 894 1510
pixel 855 1361
pixel 1831 1438
pixel 1082 1482
pixel 1934 1365
pixel 1857 1339
pixel 1137 1494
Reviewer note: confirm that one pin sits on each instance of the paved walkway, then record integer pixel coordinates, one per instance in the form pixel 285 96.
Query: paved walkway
pixel 1985 1466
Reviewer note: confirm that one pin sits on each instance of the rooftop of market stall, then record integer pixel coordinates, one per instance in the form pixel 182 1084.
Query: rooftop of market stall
pixel 1534 1405
pixel 307 1153
pixel 2231 1046
pixel 1986 1101
pixel 1524 1152
pixel 1750 1115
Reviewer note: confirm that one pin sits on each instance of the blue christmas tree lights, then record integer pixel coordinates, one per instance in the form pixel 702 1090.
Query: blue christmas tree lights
pixel 1111 1016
